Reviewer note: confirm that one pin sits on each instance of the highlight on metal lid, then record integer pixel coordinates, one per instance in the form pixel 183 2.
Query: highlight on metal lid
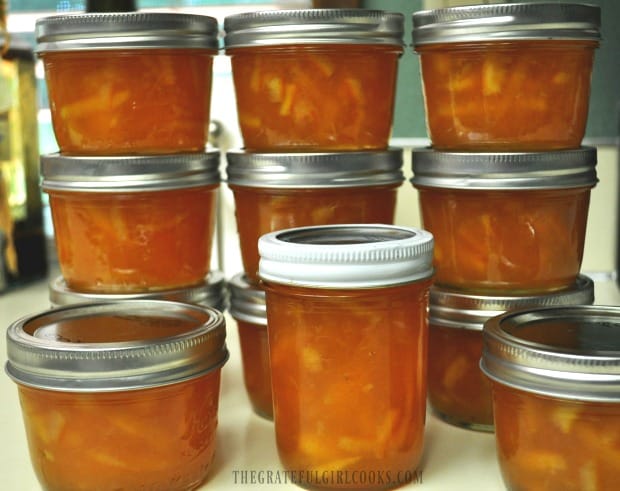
pixel 115 346
pixel 509 21
pixel 346 256
pixel 570 352
pixel 247 302
pixel 125 30
pixel 314 26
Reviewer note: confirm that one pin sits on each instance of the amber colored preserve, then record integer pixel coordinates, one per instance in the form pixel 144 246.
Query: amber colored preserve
pixel 117 242
pixel 547 443
pixel 507 95
pixel 506 241
pixel 458 390
pixel 256 368
pixel 349 381
pixel 312 97
pixel 112 102
pixel 158 439
pixel 262 210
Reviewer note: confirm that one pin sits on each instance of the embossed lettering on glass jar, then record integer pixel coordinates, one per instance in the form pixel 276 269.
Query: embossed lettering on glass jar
pixel 507 76
pixel 274 191
pixel 555 375
pixel 132 224
pixel 128 83
pixel 212 292
pixel 315 79
pixel 119 395
pixel 248 308
pixel 458 391
pixel 510 223
pixel 348 328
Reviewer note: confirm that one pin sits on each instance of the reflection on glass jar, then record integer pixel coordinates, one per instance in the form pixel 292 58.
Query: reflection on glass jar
pixel 505 77
pixel 131 224
pixel 133 406
pixel 301 87
pixel 555 374
pixel 347 323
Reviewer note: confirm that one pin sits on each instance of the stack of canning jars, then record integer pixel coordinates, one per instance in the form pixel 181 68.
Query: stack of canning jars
pixel 505 187
pixel 315 138
pixel 345 290
pixel 122 391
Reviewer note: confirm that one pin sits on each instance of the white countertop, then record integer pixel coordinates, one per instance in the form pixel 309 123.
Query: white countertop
pixel 455 459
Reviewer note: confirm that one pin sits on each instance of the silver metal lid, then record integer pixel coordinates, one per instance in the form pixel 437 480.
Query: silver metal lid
pixel 571 352
pixel 129 173
pixel 346 256
pixel 115 346
pixel 315 170
pixel 211 292
pixel 314 26
pixel 247 302
pixel 460 310
pixel 510 21
pixel 126 30
pixel 519 170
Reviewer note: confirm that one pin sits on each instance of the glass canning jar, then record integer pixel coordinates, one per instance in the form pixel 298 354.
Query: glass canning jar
pixel 128 83
pixel 458 391
pixel 132 223
pixel 507 77
pixel 274 191
pixel 555 375
pixel 212 292
pixel 506 223
pixel 249 309
pixel 315 79
pixel 348 330
pixel 119 395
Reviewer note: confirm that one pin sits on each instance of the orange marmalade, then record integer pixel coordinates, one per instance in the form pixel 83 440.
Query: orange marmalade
pixel 274 192
pixel 507 77
pixel 506 223
pixel 555 374
pixel 139 234
pixel 300 87
pixel 144 89
pixel 134 406
pixel 459 392
pixel 348 362
pixel 247 307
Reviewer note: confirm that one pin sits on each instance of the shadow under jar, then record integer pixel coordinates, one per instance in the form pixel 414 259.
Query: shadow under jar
pixel 119 395
pixel 284 190
pixel 555 375
pixel 458 391
pixel 507 76
pixel 248 308
pixel 347 324
pixel 315 79
pixel 132 224
pixel 506 223
pixel 128 83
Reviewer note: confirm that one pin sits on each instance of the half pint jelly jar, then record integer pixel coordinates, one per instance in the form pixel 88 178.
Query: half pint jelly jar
pixel 555 373
pixel 119 395
pixel 132 223
pixel 274 191
pixel 459 392
pixel 128 83
pixel 348 330
pixel 315 79
pixel 506 223
pixel 507 76
pixel 212 292
pixel 249 309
